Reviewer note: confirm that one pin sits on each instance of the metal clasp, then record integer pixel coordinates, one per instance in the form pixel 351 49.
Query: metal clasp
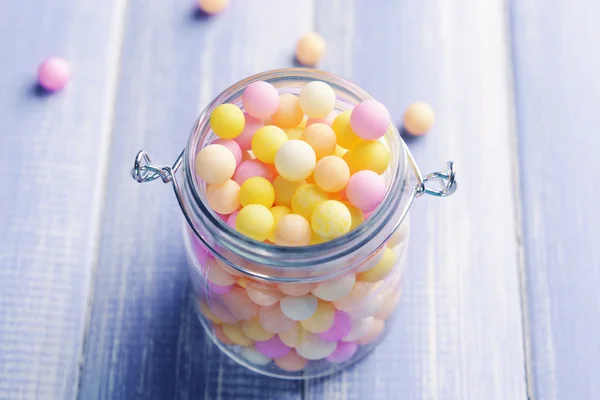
pixel 144 171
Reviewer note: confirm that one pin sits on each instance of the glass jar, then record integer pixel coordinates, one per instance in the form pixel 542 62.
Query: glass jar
pixel 296 312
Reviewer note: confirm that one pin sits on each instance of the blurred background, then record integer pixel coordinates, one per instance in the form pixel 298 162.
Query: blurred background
pixel 500 297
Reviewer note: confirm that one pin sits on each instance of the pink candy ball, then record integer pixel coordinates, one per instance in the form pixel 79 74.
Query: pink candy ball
pixel 244 140
pixel 344 351
pixel 233 147
pixel 365 190
pixel 370 120
pixel 252 168
pixel 342 323
pixel 218 289
pixel 260 100
pixel 54 73
pixel 231 220
pixel 273 348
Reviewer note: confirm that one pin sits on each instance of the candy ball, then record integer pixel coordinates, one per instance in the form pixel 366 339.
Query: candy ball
pixel 207 313
pixel 260 100
pixel 321 138
pixel 294 133
pixel 322 320
pixel 373 333
pixel 227 121
pixel 224 197
pixel 295 160
pixel 365 190
pixel 291 362
pixel 294 336
pixel 331 219
pixel 252 168
pixel 278 213
pixel 218 289
pixel 233 147
pixel 235 334
pixel 255 221
pixel 418 118
pixel 254 356
pixel 357 215
pixel 335 289
pixel 292 230
pixel 231 220
pixel 215 164
pixel 288 114
pixel 250 127
pixel 382 269
pixel 328 120
pixel 274 320
pixel 284 190
pixel 239 304
pixel 317 99
pixel 339 151
pixel 220 335
pixel 316 239
pixel 220 311
pixel 255 331
pixel 310 48
pixel 263 294
pixel 296 289
pixel 343 352
pixel 266 141
pixel 315 348
pixel 273 347
pixel 342 323
pixel 213 6
pixel 54 73
pixel 217 275
pixel 370 120
pixel 346 137
pixel 257 190
pixel 306 199
pixel 368 154
pixel 331 174
pixel 298 308
pixel 359 328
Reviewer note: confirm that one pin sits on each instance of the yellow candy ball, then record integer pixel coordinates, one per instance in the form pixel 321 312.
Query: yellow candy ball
pixel 306 199
pixel 357 215
pixel 215 164
pixel 294 133
pixel 343 132
pixel 322 319
pixel 288 114
pixel 317 99
pixel 310 48
pixel 381 270
pixel 295 160
pixel 339 151
pixel 331 219
pixel 266 141
pixel 255 221
pixel 284 190
pixel 227 121
pixel 418 118
pixel 331 174
pixel 321 138
pixel 278 212
pixel 316 239
pixel 257 190
pixel 368 155
pixel 224 198
pixel 236 335
pixel 292 230
pixel 253 330
pixel 213 6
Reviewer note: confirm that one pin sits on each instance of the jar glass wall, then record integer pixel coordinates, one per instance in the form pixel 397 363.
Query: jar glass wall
pixel 296 312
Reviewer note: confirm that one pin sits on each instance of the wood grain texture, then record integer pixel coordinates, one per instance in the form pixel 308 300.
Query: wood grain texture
pixel 459 332
pixel 53 152
pixel 557 97
pixel 144 341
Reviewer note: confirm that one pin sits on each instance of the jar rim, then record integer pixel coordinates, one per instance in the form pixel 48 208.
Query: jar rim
pixel 271 255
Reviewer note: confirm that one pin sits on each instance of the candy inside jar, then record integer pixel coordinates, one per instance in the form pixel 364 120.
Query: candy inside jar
pixel 295 188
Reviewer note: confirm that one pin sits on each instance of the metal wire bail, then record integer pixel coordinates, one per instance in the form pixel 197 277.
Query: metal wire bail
pixel 446 178
pixel 144 171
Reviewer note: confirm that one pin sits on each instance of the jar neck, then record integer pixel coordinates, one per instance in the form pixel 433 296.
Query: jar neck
pixel 293 264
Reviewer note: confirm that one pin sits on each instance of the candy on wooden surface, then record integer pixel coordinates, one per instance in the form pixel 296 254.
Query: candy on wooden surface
pixel 54 73
pixel 260 100
pixel 418 118
pixel 310 48
pixel 370 120
pixel 292 230
pixel 295 160
pixel 255 221
pixel 227 121
pixel 215 164
pixel 223 198
pixel 213 6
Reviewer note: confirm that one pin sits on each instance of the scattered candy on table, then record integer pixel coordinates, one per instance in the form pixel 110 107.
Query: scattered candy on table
pixel 310 48
pixel 292 170
pixel 418 118
pixel 54 73
pixel 213 6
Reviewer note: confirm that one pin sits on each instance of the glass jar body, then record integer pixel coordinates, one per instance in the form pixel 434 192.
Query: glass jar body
pixel 303 312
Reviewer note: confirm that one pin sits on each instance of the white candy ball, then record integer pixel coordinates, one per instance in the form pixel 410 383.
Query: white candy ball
pixel 295 160
pixel 335 289
pixel 299 308
pixel 317 99
pixel 315 348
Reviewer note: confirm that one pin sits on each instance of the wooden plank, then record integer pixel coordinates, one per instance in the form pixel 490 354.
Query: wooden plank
pixel 459 331
pixel 144 341
pixel 53 152
pixel 557 93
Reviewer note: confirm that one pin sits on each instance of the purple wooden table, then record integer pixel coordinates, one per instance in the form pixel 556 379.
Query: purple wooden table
pixel 501 296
